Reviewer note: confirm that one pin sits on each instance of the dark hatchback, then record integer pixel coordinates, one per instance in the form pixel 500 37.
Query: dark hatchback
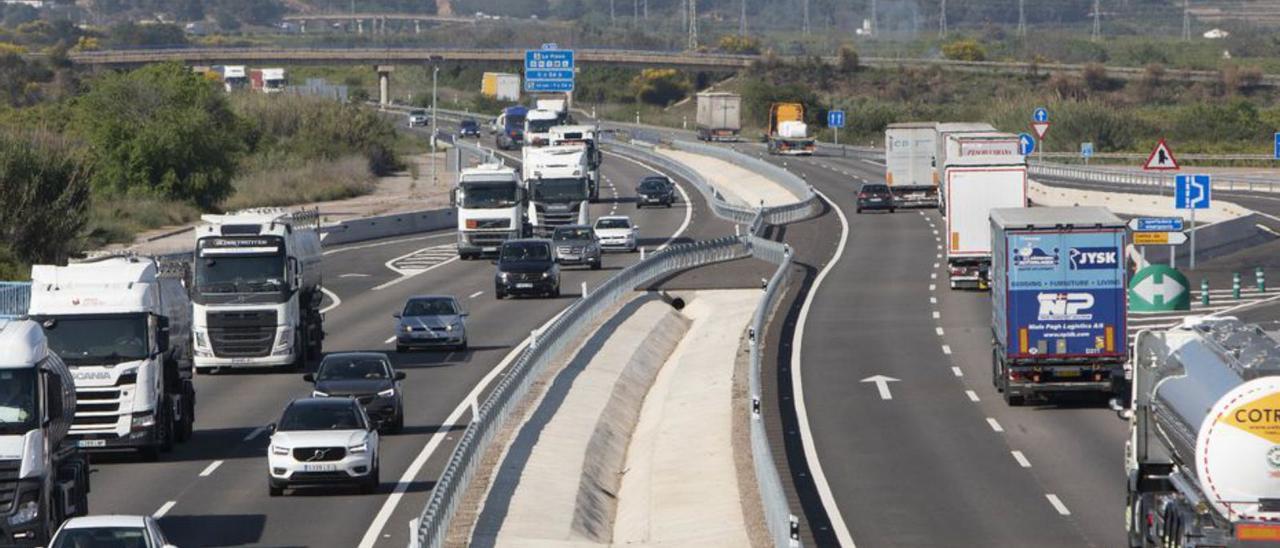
pixel 875 196
pixel 469 128
pixel 526 267
pixel 655 191
pixel 366 377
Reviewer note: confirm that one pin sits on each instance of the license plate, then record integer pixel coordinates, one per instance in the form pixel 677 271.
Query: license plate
pixel 1067 372
pixel 487 249
pixel 652 200
pixel 319 468
pixel 524 286
pixel 240 360
pixel 875 199
pixel 570 257
pixel 91 443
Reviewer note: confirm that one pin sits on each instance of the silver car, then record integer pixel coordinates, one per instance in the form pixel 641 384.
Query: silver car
pixel 431 321
pixel 577 244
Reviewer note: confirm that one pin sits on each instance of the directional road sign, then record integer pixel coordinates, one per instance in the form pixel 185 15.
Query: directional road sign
pixel 1086 150
pixel 1159 288
pixel 1192 191
pixel 835 119
pixel 1040 128
pixel 1156 224
pixel 548 69
pixel 1041 114
pixel 1277 147
pixel 1026 144
pixel 1161 159
pixel 1159 238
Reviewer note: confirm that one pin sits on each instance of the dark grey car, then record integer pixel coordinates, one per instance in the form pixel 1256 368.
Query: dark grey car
pixel 577 245
pixel 366 377
pixel 431 321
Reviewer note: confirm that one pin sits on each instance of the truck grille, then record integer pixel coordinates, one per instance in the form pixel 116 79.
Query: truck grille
pixel 104 407
pixel 488 239
pixel 8 483
pixel 319 454
pixel 242 334
pixel 558 218
pixel 95 420
pixel 489 224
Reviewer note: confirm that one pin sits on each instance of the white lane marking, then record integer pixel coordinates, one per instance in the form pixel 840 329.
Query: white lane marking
pixel 933 287
pixel 872 162
pixel 476 294
pixel 933 300
pixel 255 433
pixel 938 330
pixel 684 200
pixel 935 265
pixel 973 396
pixel 164 509
pixel 390 340
pixel 936 314
pixel 956 371
pixel 946 350
pixel 208 470
pixel 933 276
pixel 1022 459
pixel 1057 504
pixel 938 256
pixel 450 234
pixel 995 425
pixel 797 383
pixel 935 233
pixel 353 275
pixel 333 297
pixel 413 273
pixel 465 405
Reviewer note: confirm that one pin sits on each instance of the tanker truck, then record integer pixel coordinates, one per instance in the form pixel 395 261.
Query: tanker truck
pixel 1203 456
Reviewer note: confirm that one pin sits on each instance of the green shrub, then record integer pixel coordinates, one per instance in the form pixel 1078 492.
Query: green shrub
pixel 302 182
pixel 964 50
pixel 45 185
pixel 317 128
pixel 660 87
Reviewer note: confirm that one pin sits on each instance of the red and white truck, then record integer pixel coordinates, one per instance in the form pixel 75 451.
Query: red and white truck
pixel 980 172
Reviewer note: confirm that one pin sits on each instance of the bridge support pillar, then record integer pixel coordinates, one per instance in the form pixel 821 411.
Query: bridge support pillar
pixel 359 26
pixel 302 25
pixel 384 83
pixel 417 27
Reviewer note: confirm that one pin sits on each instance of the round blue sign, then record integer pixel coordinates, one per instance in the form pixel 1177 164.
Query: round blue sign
pixel 1026 143
pixel 1041 114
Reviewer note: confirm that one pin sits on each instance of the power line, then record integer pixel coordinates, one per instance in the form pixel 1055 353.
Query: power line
pixel 1097 20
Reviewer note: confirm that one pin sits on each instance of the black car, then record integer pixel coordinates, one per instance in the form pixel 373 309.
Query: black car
pixel 655 190
pixel 366 377
pixel 875 196
pixel 527 267
pixel 469 128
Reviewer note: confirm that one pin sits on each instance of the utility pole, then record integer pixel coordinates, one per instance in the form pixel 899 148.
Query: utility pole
pixel 611 13
pixel 1186 20
pixel 693 25
pixel 435 71
pixel 1022 18
pixel 742 19
pixel 684 14
pixel 874 11
pixel 805 8
pixel 644 6
pixel 1097 20
pixel 942 19
pixel 635 10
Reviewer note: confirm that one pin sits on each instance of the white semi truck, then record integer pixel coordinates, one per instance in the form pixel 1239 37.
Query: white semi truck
pixel 980 173
pixel 537 127
pixel 558 180
pixel 490 199
pixel 586 136
pixel 908 163
pixel 257 290
pixel 123 325
pixel 1204 436
pixel 941 132
pixel 44 478
pixel 719 116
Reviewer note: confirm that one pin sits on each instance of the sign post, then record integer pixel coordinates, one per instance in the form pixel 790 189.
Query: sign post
pixel 835 121
pixel 1040 125
pixel 1192 192
pixel 1086 151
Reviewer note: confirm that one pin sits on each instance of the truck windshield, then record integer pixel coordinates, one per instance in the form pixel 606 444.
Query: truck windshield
pixel 488 195
pixel 18 401
pixel 98 339
pixel 515 121
pixel 231 274
pixel 560 190
pixel 541 126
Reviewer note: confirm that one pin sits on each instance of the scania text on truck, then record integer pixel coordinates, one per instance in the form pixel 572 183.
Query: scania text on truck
pixel 257 290
pixel 908 163
pixel 1057 302
pixel 941 132
pixel 491 205
pixel 510 128
pixel 586 136
pixel 558 181
pixel 787 133
pixel 1202 454
pixel 719 116
pixel 44 479
pixel 123 326
pixel 979 173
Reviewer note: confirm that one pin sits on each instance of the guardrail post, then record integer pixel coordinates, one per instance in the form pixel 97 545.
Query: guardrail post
pixel 642 253
pixel 1235 285
pixel 584 290
pixel 1204 291
pixel 1260 276
pixel 794 533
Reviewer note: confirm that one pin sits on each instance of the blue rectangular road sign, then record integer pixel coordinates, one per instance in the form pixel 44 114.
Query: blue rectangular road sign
pixel 1159 224
pixel 1277 148
pixel 1192 191
pixel 548 59
pixel 1086 150
pixel 544 74
pixel 548 86
pixel 835 119
pixel 548 70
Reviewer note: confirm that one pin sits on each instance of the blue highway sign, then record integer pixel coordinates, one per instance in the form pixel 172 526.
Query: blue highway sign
pixel 1156 224
pixel 1041 114
pixel 1026 144
pixel 1192 192
pixel 835 118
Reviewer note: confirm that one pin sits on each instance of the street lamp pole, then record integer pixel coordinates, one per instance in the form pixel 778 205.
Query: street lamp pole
pixel 434 72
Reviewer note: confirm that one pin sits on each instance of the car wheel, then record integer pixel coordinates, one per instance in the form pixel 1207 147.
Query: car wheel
pixel 400 348
pixel 371 483
pixel 274 489
pixel 555 293
pixel 638 206
pixel 498 294
pixel 891 210
pixel 859 210
pixel 462 347
pixel 596 265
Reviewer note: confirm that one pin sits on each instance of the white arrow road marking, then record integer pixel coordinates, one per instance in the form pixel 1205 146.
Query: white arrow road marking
pixel 882 384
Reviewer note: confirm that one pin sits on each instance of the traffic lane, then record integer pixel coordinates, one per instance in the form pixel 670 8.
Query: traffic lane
pixel 360 267
pixel 925 468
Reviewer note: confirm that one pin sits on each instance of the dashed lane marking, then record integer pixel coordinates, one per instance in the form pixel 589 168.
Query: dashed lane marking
pixel 995 425
pixel 208 470
pixel 164 509
pixel 938 330
pixel 936 314
pixel 390 340
pixel 956 371
pixel 946 350
pixel 1057 504
pixel 476 294
pixel 973 396
pixel 1022 459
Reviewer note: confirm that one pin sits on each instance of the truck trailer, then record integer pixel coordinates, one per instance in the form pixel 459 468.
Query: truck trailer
pixel 1058 302
pixel 908 163
pixel 123 326
pixel 979 173
pixel 941 132
pixel 787 132
pixel 502 86
pixel 267 80
pixel 510 126
pixel 719 116
pixel 1202 456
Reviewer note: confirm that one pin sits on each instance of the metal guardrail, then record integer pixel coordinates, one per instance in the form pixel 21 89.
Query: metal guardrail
pixel 808 204
pixel 1221 182
pixel 15 299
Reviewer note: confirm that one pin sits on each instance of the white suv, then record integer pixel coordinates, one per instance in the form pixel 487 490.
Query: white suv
pixel 323 441
pixel 616 232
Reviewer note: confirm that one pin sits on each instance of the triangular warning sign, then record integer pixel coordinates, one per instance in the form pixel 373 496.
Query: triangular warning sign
pixel 1040 128
pixel 1161 159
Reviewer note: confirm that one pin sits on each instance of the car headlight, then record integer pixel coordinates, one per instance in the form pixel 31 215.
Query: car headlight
pixel 278 450
pixel 387 393
pixel 363 447
pixel 503 276
pixel 318 394
pixel 27 512
pixel 406 328
pixel 546 275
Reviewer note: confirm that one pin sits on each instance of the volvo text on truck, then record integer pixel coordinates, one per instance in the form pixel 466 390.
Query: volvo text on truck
pixel 1057 302
pixel 719 116
pixel 559 185
pixel 490 199
pixel 123 326
pixel 510 128
pixel 586 136
pixel 44 478
pixel 941 132
pixel 1204 429
pixel 787 133
pixel 979 173
pixel 908 163
pixel 257 290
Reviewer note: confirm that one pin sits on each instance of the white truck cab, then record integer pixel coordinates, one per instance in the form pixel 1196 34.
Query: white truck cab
pixel 490 201
pixel 559 184
pixel 537 127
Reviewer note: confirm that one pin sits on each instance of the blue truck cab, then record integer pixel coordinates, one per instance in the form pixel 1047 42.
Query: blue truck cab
pixel 1058 302
pixel 511 127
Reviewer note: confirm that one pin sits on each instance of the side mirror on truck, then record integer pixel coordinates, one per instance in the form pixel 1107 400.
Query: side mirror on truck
pixel 162 334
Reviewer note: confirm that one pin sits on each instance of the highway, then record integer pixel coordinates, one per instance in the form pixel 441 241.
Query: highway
pixel 212 491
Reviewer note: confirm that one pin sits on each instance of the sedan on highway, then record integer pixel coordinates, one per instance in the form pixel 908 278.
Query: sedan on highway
pixel 121 531
pixel 366 377
pixel 617 232
pixel 418 118
pixel 655 190
pixel 431 321
pixel 577 245
pixel 469 128
pixel 322 441
pixel 526 267
pixel 873 196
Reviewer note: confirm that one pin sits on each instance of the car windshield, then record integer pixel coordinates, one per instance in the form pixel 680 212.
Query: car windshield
pixel 17 401
pixel 653 184
pixel 417 113
pixel 489 195
pixel 613 223
pixel 244 274
pixel 469 124
pixel 573 234
pixel 353 368
pixel 98 339
pixel 339 415
pixel 102 537
pixel 526 252
pixel 559 190
pixel 430 307
pixel 541 126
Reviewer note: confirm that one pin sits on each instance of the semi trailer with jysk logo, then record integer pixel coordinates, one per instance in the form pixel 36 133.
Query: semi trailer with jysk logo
pixel 1058 302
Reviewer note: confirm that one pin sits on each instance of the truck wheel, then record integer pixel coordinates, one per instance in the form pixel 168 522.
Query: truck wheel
pixel 995 370
pixel 1012 400
pixel 150 453
pixel 166 427
pixel 188 425
pixel 401 349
